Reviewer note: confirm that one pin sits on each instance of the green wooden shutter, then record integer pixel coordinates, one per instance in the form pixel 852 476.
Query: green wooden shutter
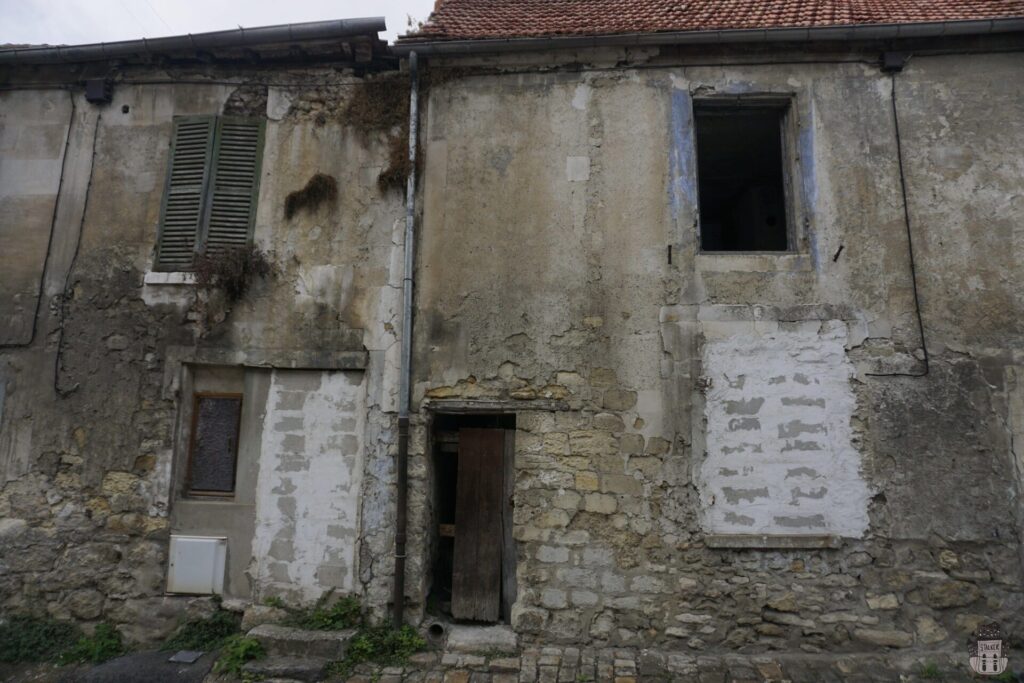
pixel 235 187
pixel 187 177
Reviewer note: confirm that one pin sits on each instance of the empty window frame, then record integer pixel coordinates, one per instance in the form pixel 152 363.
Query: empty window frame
pixel 213 450
pixel 741 175
pixel 211 190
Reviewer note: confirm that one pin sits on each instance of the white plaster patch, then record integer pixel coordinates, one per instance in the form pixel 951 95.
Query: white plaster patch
pixel 307 496
pixel 577 169
pixel 176 289
pixel 780 457
pixel 581 98
pixel 279 102
pixel 330 285
pixel 158 488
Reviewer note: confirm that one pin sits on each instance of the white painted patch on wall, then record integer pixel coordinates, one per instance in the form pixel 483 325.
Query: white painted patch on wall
pixel 780 458
pixel 307 495
pixel 581 98
pixel 577 169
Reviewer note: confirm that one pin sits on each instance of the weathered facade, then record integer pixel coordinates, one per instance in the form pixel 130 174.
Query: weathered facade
pixel 98 400
pixel 811 450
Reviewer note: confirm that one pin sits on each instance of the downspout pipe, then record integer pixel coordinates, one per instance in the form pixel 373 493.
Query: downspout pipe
pixel 405 370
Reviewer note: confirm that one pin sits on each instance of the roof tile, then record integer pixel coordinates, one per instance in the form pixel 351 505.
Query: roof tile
pixel 482 19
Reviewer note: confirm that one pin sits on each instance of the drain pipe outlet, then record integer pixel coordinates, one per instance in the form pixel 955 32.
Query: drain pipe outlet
pixel 405 371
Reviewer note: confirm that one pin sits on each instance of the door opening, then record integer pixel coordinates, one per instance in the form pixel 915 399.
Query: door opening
pixel 475 563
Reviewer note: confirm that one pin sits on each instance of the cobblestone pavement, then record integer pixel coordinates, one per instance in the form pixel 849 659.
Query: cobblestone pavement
pixel 572 665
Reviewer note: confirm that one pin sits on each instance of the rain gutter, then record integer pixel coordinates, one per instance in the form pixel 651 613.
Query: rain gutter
pixel 234 38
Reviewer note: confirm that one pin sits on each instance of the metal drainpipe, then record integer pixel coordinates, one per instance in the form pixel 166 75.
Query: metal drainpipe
pixel 405 372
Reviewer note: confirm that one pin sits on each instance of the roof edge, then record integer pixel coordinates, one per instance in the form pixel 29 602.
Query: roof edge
pixel 240 37
pixel 765 35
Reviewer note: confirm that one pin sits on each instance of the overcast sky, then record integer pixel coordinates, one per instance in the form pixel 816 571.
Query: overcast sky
pixel 73 22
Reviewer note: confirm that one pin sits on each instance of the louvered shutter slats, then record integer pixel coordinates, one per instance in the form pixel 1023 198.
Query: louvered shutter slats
pixel 236 178
pixel 182 211
pixel 212 188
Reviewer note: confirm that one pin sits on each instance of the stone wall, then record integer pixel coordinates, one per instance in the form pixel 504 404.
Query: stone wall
pixel 90 446
pixel 559 279
pixel 555 187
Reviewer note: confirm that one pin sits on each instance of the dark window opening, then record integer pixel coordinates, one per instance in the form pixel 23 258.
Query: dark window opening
pixel 214 448
pixel 740 178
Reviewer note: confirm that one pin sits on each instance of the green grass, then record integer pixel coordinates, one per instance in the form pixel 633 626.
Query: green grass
pixel 26 638
pixel 104 644
pixel 238 650
pixel 343 613
pixel 208 633
pixel 930 671
pixel 381 645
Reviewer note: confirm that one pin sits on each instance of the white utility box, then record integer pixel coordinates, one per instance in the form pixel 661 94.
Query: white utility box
pixel 197 564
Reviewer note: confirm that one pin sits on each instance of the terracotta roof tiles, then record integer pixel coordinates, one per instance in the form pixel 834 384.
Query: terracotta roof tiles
pixel 481 19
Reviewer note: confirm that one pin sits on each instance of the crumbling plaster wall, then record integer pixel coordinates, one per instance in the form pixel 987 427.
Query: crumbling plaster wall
pixel 88 471
pixel 33 135
pixel 550 200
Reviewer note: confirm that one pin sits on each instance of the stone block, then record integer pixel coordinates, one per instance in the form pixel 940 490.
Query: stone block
pixel 952 594
pixel 887 601
pixel 632 444
pixel 475 639
pixel 929 631
pixel 587 481
pixel 567 500
pixel 296 642
pixel 883 637
pixel 609 421
pixel 603 377
pixel 621 483
pixel 600 503
pixel 289 668
pixel 556 443
pixel 619 399
pixel 593 442
pixel 257 615
pixel 552 554
pixel 553 598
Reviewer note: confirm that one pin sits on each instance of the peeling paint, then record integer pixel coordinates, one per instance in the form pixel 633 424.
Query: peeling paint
pixel 824 407
pixel 682 191
pixel 307 504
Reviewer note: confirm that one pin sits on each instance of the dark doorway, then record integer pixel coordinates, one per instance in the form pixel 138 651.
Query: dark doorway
pixel 740 177
pixel 474 568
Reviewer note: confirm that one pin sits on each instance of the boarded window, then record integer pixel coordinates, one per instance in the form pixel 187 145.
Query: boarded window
pixel 211 189
pixel 214 452
pixel 740 177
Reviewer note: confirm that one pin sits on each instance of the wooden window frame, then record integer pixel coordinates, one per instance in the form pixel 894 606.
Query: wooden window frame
pixel 200 493
pixel 209 179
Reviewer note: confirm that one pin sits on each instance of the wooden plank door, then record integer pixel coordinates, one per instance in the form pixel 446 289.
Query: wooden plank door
pixel 479 494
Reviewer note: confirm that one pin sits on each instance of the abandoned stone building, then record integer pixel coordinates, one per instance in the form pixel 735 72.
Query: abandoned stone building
pixel 680 326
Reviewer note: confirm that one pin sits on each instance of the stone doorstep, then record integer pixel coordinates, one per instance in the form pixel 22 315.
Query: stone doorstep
pixel 482 639
pixel 296 642
pixel 310 669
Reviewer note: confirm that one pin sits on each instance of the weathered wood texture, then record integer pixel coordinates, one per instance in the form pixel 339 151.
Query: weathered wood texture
pixel 508 550
pixel 476 580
